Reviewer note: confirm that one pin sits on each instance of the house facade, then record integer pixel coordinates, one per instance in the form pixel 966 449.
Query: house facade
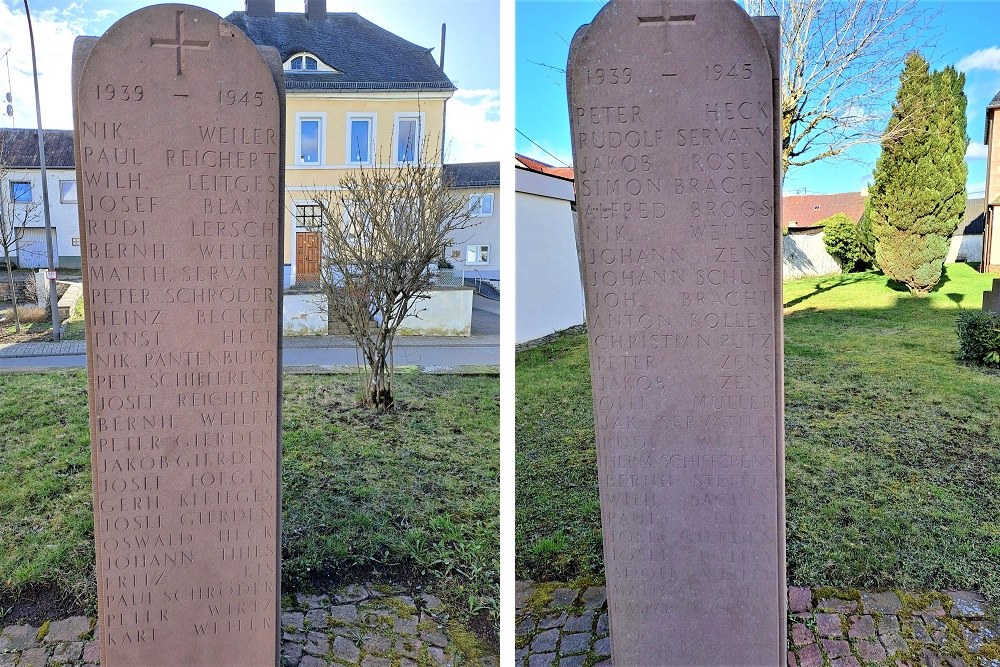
pixel 474 252
pixel 549 285
pixel 990 262
pixel 22 188
pixel 356 95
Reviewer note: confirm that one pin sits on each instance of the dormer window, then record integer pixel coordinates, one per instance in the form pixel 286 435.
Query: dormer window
pixel 307 63
pixel 303 61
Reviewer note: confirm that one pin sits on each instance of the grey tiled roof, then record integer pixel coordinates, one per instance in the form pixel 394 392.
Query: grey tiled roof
pixel 20 147
pixel 473 174
pixel 366 56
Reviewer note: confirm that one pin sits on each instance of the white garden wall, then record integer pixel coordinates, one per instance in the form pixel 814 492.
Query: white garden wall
pixel 805 255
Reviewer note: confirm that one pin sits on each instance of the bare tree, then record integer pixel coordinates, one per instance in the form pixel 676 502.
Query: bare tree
pixel 14 219
pixel 381 230
pixel 840 62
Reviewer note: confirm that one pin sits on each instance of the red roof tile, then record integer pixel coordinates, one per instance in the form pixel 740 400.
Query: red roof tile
pixel 542 168
pixel 803 211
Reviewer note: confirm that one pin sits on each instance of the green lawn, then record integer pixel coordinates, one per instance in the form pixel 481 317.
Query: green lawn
pixel 412 495
pixel 893 449
pixel 75 324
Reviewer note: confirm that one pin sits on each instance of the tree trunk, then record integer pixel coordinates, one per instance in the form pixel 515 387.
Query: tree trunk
pixel 13 296
pixel 378 394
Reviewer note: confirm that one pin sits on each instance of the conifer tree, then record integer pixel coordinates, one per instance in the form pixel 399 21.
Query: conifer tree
pixel 918 196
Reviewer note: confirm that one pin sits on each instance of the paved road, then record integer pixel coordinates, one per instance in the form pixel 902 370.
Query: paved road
pixel 422 355
pixel 482 348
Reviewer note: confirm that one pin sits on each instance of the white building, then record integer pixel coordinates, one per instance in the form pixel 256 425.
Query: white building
pixel 474 252
pixel 23 185
pixel 549 290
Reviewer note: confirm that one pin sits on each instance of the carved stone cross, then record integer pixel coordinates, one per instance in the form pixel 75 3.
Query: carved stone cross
pixel 179 42
pixel 651 13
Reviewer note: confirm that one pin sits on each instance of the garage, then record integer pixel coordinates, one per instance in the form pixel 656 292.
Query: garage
pixel 31 250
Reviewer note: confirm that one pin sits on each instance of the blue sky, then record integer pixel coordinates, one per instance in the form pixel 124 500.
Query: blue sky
pixel 967 33
pixel 472 55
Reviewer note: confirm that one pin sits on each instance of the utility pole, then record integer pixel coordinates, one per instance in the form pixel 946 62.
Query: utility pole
pixel 444 107
pixel 53 296
pixel 10 89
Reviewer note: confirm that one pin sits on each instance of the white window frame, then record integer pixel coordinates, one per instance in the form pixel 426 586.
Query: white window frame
pixel 321 153
pixel 479 247
pixel 371 118
pixel 63 199
pixel 476 208
pixel 408 115
pixel 303 68
pixel 31 191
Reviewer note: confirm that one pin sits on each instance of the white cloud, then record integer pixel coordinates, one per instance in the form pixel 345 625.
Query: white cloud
pixel 473 126
pixel 976 151
pixel 977 188
pixel 984 59
pixel 55 31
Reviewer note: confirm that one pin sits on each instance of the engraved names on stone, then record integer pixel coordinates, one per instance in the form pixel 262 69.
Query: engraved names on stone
pixel 673 141
pixel 178 165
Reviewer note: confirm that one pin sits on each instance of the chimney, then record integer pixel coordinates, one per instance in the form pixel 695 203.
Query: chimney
pixel 444 27
pixel 260 7
pixel 316 10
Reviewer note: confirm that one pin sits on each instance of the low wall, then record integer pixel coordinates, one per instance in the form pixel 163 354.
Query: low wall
pixel 805 255
pixel 68 299
pixel 965 248
pixel 305 314
pixel 448 312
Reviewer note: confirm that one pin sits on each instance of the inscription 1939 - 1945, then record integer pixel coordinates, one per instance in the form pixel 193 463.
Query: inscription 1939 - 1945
pixel 179 171
pixel 674 148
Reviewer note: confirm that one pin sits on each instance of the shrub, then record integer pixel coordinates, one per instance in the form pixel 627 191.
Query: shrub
pixel 33 314
pixel 979 338
pixel 867 238
pixel 843 242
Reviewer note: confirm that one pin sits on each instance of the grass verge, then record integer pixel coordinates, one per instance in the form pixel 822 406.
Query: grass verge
pixel 75 324
pixel 410 496
pixel 892 447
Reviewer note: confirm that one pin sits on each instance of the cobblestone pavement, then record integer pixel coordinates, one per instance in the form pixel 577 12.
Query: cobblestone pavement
pixel 557 626
pixel 364 626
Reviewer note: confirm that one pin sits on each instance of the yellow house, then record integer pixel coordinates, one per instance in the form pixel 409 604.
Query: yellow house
pixel 355 94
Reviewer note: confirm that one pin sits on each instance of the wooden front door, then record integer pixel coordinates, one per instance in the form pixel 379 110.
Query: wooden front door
pixel 307 257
